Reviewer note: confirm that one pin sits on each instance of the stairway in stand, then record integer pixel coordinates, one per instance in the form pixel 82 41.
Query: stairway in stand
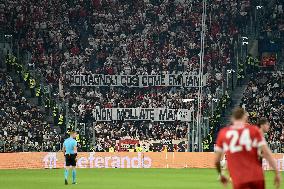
pixel 236 97
pixel 33 100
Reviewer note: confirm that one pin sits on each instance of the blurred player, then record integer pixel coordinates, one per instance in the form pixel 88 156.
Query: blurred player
pixel 264 126
pixel 240 141
pixel 70 153
pixel 223 162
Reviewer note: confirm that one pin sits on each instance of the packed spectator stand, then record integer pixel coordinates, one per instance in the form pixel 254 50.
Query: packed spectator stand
pixel 23 127
pixel 264 94
pixel 264 97
pixel 271 33
pixel 113 37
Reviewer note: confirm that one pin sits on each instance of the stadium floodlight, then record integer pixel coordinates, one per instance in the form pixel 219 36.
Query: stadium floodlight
pixel 188 100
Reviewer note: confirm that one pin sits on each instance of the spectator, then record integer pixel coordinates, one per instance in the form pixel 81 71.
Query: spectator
pixel 264 97
pixel 22 125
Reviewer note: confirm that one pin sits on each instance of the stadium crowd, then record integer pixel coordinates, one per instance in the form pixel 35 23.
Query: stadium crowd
pixel 272 21
pixel 264 97
pixel 272 32
pixel 154 42
pixel 64 38
pixel 22 126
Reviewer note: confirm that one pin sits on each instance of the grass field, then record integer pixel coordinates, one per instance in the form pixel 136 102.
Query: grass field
pixel 116 179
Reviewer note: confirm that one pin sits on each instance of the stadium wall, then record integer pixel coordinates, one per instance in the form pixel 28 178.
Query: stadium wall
pixel 44 160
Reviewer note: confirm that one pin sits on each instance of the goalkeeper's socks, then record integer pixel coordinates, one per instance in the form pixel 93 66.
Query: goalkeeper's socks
pixel 66 174
pixel 74 175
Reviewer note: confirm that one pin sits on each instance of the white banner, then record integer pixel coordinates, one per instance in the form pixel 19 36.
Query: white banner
pixel 152 114
pixel 185 80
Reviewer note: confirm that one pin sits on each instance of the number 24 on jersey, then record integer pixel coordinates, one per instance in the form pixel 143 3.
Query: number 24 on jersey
pixel 239 141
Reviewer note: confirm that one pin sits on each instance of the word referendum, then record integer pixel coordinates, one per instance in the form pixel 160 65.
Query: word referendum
pixel 154 114
pixel 183 80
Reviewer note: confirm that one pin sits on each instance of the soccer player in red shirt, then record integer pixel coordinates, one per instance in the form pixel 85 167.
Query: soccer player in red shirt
pixel 240 142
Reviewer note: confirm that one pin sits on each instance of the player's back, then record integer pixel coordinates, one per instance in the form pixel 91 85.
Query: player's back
pixel 69 145
pixel 240 145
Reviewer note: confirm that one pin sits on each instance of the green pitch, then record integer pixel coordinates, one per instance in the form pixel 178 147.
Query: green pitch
pixel 116 179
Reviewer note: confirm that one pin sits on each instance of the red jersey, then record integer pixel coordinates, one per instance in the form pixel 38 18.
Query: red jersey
pixel 240 144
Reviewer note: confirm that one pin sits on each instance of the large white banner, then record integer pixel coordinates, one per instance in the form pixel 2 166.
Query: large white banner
pixel 153 114
pixel 184 80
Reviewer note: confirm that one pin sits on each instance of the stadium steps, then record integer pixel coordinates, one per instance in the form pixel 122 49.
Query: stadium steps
pixel 27 94
pixel 34 102
pixel 280 63
pixel 237 95
pixel 253 48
